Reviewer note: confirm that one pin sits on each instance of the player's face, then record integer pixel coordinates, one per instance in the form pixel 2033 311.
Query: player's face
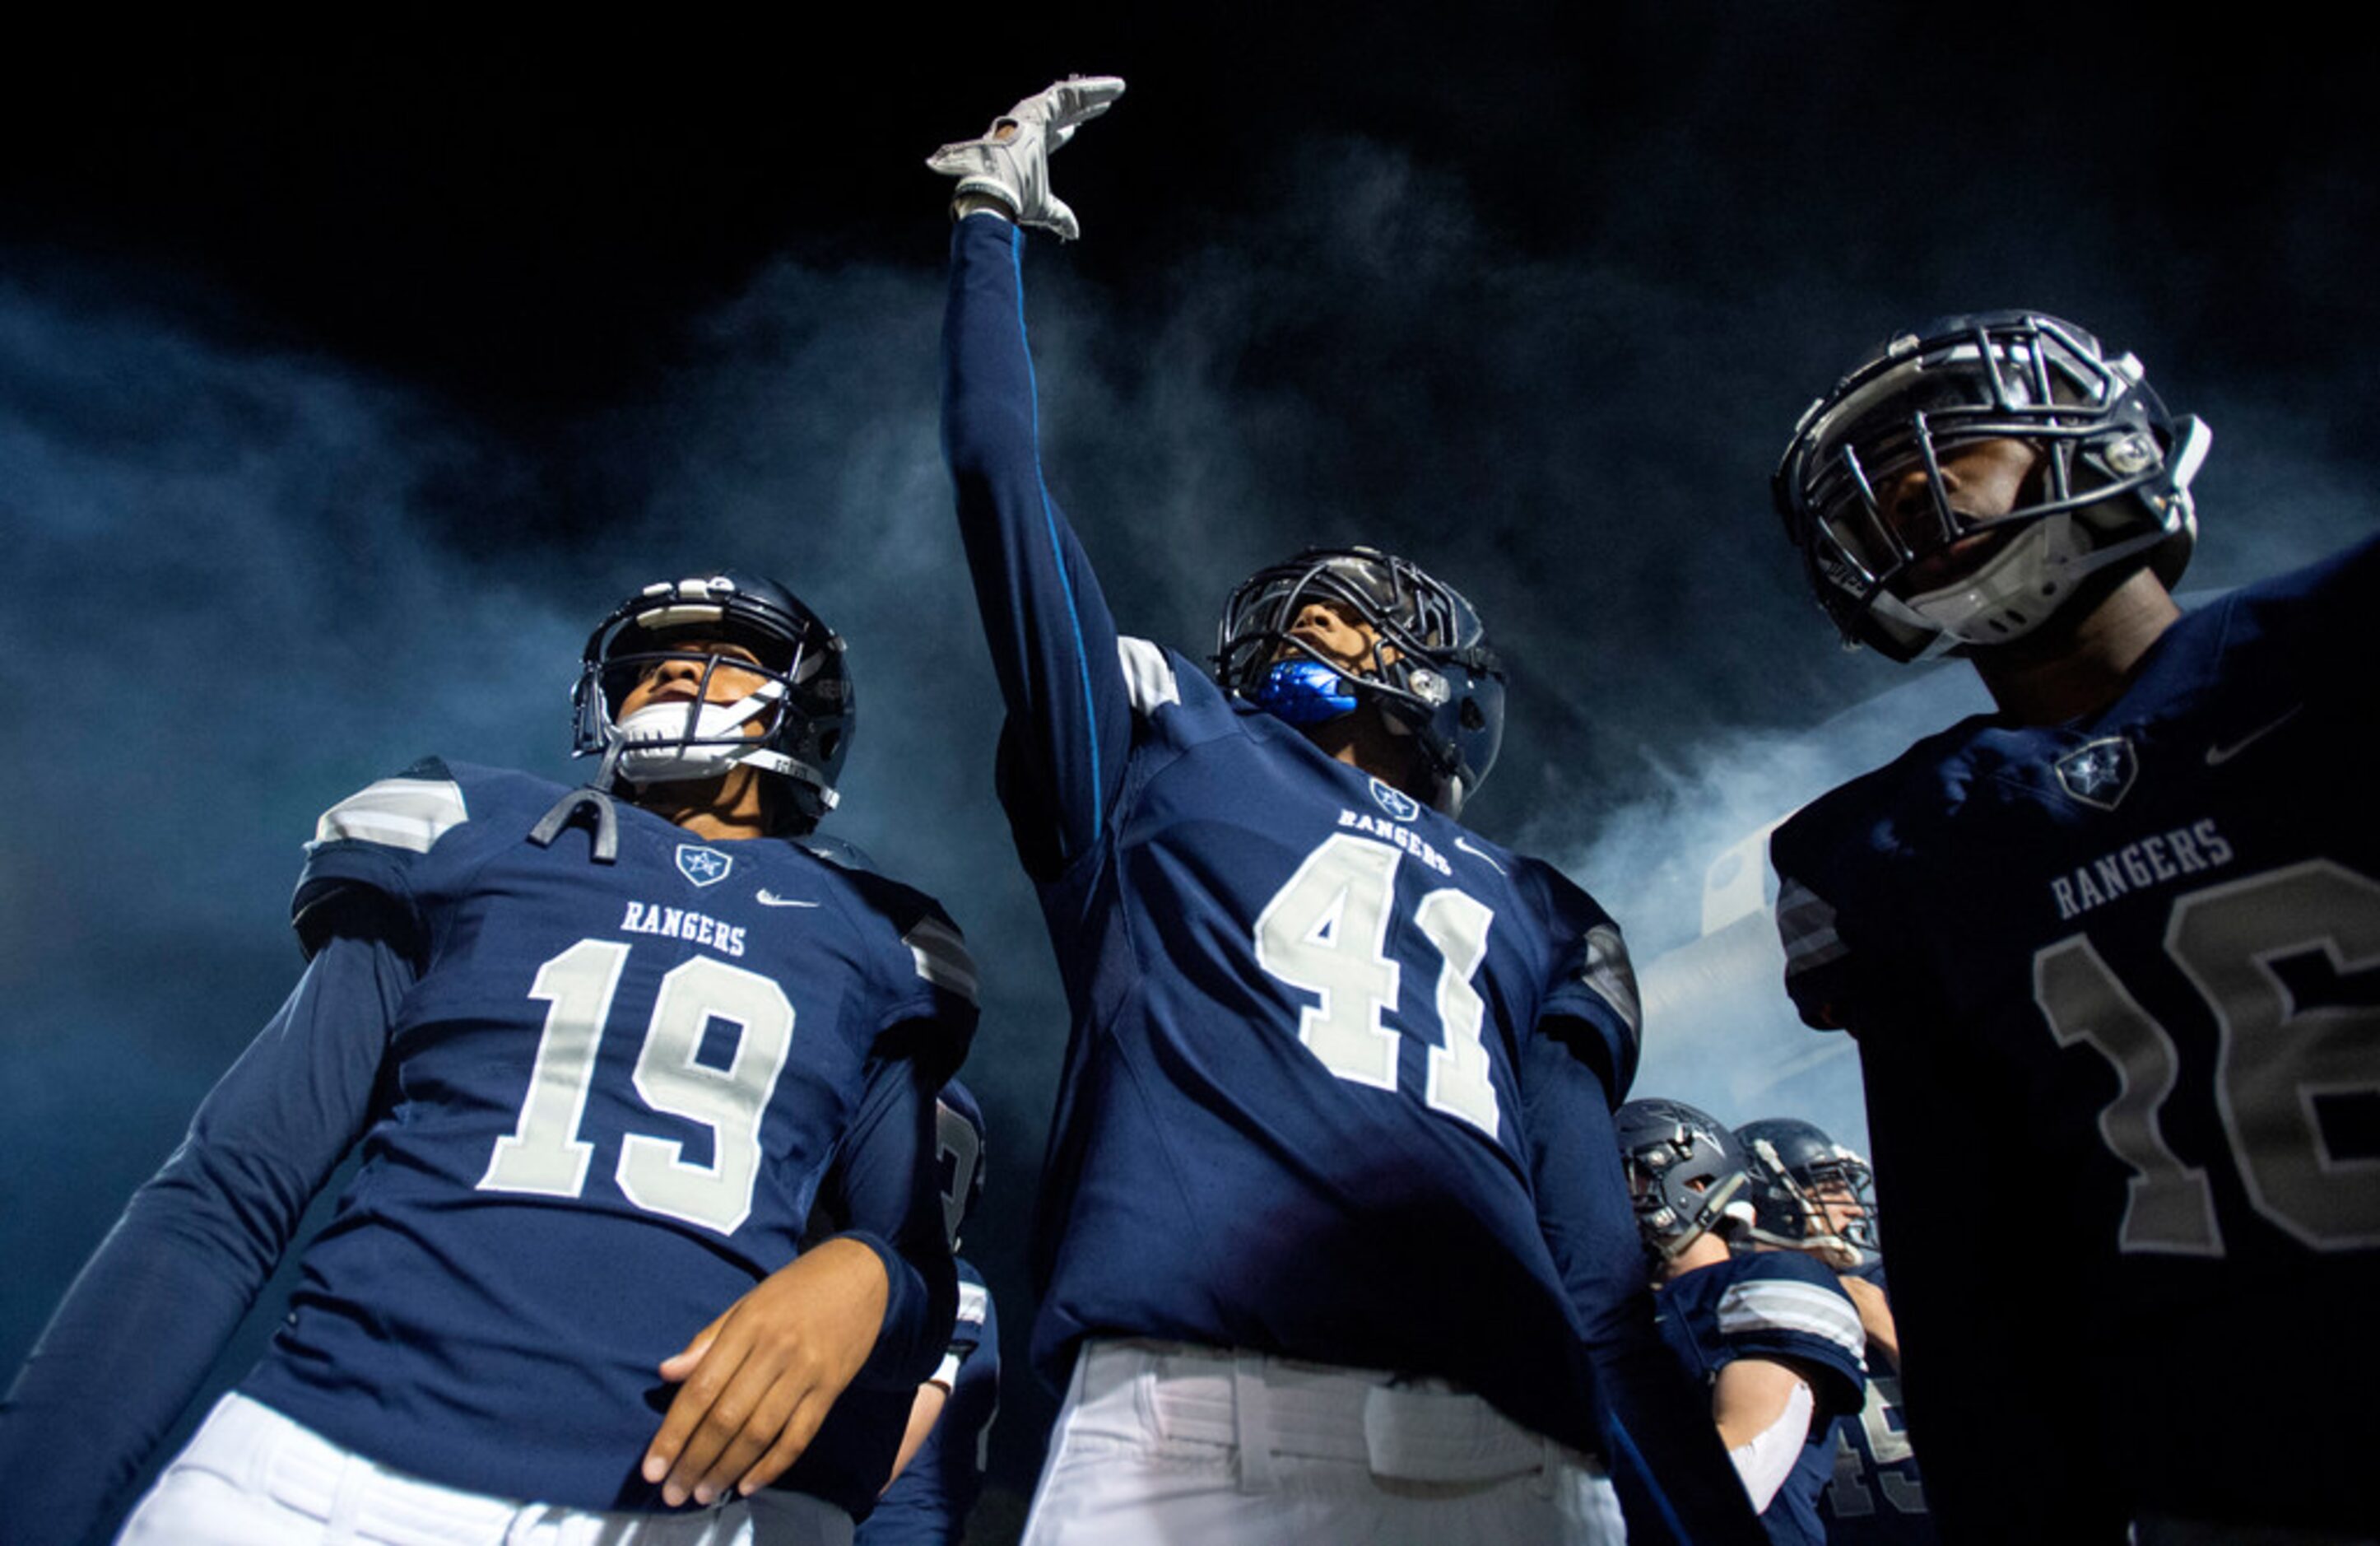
pixel 1339 634
pixel 677 681
pixel 1982 482
pixel 1837 1207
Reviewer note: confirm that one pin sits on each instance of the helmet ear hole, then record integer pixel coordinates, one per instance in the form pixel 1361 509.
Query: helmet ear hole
pixel 1472 717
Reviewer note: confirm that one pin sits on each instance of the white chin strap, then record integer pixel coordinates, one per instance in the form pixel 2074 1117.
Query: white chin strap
pixel 664 743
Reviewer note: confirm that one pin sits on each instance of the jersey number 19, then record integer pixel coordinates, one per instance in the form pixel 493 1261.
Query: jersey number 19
pixel 544 1153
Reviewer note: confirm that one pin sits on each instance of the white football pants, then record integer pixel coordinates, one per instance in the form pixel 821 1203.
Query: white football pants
pixel 250 1477
pixel 1168 1443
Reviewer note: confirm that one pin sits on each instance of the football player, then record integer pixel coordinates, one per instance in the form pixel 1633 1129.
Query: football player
pixel 603 1050
pixel 1333 1241
pixel 946 1450
pixel 1774 1336
pixel 2108 951
pixel 1811 1194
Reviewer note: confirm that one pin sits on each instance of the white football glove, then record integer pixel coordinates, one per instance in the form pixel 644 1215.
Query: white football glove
pixel 1014 168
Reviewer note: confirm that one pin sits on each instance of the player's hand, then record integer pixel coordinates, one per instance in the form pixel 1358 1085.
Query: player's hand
pixel 1011 163
pixel 759 1380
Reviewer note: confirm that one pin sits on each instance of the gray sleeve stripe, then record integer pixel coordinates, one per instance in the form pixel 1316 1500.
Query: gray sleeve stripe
pixel 1805 921
pixel 410 814
pixel 973 1299
pixel 941 957
pixel 946 1373
pixel 1793 1307
pixel 1148 676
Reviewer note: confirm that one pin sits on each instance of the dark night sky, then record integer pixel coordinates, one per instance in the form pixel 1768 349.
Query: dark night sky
pixel 346 380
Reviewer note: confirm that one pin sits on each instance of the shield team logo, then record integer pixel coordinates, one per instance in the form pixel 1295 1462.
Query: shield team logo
pixel 1400 805
pixel 702 865
pixel 2099 773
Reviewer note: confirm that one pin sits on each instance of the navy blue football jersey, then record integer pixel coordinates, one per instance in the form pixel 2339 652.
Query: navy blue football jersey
pixel 1339 1080
pixel 929 1503
pixel 1785 1308
pixel 608 1069
pixel 2114 986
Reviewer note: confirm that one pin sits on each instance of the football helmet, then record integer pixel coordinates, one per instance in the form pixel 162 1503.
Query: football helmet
pixel 1798 1171
pixel 1687 1173
pixel 1431 672
pixel 2112 493
pixel 803 703
pixel 958 1143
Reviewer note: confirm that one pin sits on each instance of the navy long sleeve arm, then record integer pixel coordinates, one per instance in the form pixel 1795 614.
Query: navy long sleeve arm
pixel 1052 638
pixel 890 1193
pixel 132 1341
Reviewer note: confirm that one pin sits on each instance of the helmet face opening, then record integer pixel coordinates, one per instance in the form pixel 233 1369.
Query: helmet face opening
pixel 787 710
pixel 2109 491
pixel 1431 671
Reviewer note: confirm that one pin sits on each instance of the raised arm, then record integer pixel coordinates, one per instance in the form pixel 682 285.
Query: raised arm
pixel 1053 642
pixel 133 1340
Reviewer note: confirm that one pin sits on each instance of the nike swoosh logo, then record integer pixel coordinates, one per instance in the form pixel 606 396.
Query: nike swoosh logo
pixel 771 899
pixel 1479 854
pixel 2219 755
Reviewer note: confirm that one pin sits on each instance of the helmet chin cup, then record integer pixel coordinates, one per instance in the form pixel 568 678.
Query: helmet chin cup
pixel 670 743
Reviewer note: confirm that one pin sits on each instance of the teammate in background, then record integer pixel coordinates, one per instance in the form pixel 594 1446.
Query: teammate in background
pixel 603 1049
pixel 1773 1336
pixel 1811 1194
pixel 1333 1241
pixel 2109 953
pixel 943 1455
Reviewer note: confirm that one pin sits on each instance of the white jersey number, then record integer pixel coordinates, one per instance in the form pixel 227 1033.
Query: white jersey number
pixel 544 1153
pixel 1326 932
pixel 2273 1058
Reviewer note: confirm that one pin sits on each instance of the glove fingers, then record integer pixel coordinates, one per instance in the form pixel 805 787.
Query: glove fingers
pixel 1083 97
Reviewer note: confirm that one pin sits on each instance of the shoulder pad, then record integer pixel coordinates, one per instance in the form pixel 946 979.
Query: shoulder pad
pixel 410 811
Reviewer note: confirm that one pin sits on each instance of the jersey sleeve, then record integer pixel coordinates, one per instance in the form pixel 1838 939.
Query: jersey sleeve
pixel 1830 913
pixel 1788 1307
pixel 1592 1001
pixel 1052 639
pixel 930 1006
pixel 362 865
pixel 1674 1479
pixel 133 1340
